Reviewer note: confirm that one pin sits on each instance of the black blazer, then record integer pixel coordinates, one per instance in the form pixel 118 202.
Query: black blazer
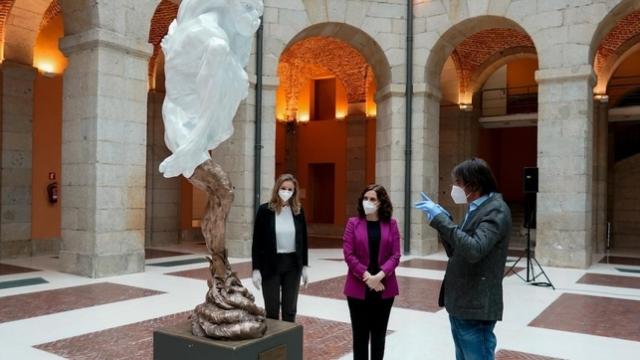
pixel 264 248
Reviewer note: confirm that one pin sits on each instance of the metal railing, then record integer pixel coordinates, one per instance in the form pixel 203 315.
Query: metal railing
pixel 512 100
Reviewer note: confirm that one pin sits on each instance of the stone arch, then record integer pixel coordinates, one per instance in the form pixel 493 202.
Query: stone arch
pixel 448 45
pixel 495 62
pixel 455 35
pixel 164 14
pixel 5 8
pixel 316 57
pixel 21 29
pixel 356 38
pixel 609 22
pixel 617 34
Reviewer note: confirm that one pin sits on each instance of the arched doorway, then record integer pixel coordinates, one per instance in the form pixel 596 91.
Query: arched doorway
pixel 32 72
pixel 616 51
pixel 325 132
pixel 164 197
pixel 488 107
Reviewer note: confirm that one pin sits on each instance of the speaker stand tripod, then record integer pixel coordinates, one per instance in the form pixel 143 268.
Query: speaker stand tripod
pixel 531 275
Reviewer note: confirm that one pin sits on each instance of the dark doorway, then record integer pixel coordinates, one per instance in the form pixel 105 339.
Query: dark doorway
pixel 322 193
pixel 324 99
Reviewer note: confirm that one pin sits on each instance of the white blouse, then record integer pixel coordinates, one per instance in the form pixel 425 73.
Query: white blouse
pixel 285 231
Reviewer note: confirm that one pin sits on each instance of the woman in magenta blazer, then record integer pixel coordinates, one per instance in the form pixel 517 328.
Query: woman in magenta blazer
pixel 371 246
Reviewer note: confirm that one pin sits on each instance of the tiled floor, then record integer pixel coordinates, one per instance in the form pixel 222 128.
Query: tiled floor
pixel 40 303
pixel 323 339
pixel 620 260
pixel 155 253
pixel 243 270
pixel 594 314
pixel 516 355
pixel 6 269
pixel 132 342
pixel 632 282
pixel 442 265
pixel 415 293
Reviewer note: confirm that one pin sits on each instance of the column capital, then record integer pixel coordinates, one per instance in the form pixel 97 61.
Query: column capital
pixel 268 82
pixel 390 90
pixel 104 38
pixel 13 65
pixel 583 72
pixel 427 90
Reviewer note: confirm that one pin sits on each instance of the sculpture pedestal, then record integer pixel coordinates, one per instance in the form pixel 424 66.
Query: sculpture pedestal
pixel 283 341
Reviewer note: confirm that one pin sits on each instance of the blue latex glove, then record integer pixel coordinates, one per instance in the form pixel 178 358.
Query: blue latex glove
pixel 430 208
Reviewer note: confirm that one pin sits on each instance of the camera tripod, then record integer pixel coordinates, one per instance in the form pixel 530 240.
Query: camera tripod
pixel 531 275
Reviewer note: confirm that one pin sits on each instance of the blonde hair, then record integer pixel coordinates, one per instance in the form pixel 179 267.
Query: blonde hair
pixel 275 203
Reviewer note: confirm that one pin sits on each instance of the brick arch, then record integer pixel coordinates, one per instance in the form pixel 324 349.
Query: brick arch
pixel 165 12
pixel 321 56
pixel 623 25
pixel 52 11
pixel 20 31
pixel 356 38
pixel 475 44
pixel 5 8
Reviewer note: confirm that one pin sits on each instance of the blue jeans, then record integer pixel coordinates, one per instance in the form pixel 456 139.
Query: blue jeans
pixel 474 339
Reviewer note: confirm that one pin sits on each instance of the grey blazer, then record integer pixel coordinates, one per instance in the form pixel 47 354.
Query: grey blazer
pixel 472 285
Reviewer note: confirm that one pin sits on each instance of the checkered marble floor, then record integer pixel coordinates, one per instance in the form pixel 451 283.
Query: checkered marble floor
pixel 46 314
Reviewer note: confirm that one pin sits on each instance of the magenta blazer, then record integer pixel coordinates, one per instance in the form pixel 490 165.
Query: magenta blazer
pixel 355 246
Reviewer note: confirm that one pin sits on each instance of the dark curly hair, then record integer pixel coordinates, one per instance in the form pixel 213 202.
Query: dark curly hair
pixel 385 209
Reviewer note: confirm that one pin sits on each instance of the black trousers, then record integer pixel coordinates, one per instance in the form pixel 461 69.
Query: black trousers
pixel 369 319
pixel 281 288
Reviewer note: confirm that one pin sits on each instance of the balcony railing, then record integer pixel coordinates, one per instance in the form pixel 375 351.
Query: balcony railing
pixel 508 101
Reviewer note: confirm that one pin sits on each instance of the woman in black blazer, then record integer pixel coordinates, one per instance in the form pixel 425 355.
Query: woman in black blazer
pixel 279 251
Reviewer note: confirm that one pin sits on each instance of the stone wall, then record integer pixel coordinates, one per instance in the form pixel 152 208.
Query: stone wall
pixel 15 185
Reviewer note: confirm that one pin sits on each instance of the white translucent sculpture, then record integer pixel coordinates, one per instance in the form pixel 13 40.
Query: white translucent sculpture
pixel 206 50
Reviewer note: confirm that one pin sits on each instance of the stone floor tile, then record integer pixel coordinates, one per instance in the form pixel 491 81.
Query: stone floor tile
pixel 243 270
pixel 620 260
pixel 323 339
pixel 155 253
pixel 415 293
pixel 516 355
pixel 594 315
pixel 632 282
pixel 40 303
pixel 6 269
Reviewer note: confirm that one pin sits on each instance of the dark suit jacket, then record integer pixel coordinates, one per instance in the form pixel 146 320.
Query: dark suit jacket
pixel 264 249
pixel 472 285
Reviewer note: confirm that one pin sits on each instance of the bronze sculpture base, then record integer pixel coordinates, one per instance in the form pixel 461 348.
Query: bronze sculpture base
pixel 229 311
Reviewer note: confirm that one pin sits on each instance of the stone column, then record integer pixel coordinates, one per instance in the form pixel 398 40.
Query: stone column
pixel 104 153
pixel 15 184
pixel 458 142
pixel 600 165
pixel 390 146
pixel 356 128
pixel 565 162
pixel 163 195
pixel 425 160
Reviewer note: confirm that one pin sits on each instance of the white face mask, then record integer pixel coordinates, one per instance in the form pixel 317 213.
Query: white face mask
pixel 458 195
pixel 285 195
pixel 369 207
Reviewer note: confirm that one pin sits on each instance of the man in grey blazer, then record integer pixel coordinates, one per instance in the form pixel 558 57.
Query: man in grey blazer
pixel 477 249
